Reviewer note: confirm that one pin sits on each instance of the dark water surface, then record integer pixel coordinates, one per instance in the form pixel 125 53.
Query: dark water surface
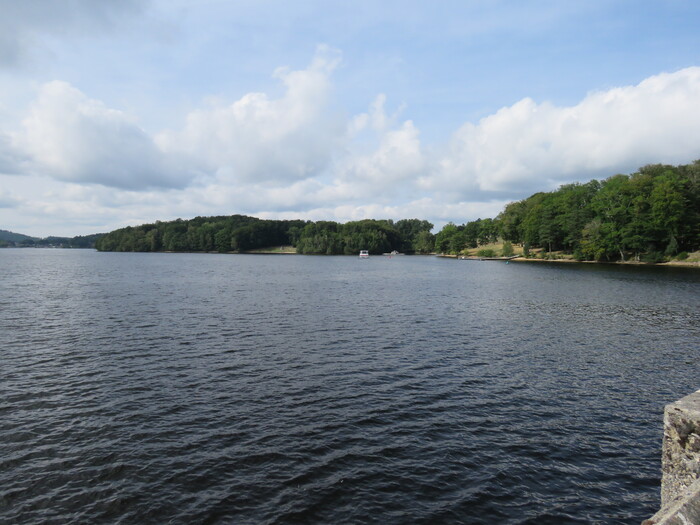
pixel 184 388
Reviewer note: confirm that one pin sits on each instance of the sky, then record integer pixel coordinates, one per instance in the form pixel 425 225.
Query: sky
pixel 124 112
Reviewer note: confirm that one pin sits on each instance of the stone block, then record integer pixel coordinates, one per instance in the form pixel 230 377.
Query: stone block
pixel 680 462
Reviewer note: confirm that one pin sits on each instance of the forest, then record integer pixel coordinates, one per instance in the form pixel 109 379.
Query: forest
pixel 650 215
pixel 240 233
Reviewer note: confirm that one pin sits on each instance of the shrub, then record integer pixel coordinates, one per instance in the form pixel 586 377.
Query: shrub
pixel 682 256
pixel 486 252
pixel 653 257
pixel 672 247
pixel 507 249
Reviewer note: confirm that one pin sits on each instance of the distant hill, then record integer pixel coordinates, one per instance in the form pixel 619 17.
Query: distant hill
pixel 15 237
pixel 8 238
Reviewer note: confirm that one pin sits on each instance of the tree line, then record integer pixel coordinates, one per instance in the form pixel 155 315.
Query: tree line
pixel 650 215
pixel 240 233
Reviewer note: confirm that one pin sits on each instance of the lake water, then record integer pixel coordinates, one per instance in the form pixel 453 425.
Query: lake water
pixel 194 388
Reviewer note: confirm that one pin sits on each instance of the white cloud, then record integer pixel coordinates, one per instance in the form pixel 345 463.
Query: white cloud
pixel 381 170
pixel 530 146
pixel 395 154
pixel 293 156
pixel 44 206
pixel 398 157
pixel 266 140
pixel 73 138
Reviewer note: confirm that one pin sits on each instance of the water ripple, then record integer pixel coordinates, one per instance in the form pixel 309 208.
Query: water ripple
pixel 151 388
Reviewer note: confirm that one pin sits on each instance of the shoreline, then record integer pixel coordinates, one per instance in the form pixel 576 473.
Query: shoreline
pixel 675 264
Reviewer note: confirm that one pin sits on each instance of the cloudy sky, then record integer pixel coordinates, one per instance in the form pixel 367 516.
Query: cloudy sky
pixel 122 112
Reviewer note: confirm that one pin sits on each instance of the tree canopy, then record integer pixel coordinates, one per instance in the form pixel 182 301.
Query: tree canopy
pixel 240 233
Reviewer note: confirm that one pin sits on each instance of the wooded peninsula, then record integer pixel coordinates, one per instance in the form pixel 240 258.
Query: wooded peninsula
pixel 652 215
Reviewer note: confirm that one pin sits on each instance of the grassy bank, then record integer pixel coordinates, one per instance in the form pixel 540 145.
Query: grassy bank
pixel 275 249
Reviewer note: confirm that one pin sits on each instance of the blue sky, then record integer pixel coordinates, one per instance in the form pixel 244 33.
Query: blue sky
pixel 117 113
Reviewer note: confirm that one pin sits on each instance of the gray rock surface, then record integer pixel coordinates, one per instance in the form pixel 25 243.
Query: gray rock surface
pixel 684 510
pixel 680 464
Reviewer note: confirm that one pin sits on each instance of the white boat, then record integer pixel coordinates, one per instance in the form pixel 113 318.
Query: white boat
pixel 364 254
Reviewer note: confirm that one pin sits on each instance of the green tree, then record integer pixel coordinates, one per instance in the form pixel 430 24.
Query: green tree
pixel 488 231
pixel 471 233
pixel 424 242
pixel 443 239
pixel 510 221
pixel 667 209
pixel 409 231
pixel 507 250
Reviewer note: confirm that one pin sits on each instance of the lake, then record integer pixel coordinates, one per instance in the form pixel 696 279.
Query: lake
pixel 202 388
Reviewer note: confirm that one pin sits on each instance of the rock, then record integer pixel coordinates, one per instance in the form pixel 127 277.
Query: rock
pixel 680 463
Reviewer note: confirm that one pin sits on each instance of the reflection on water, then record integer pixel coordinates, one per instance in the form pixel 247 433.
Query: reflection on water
pixel 276 389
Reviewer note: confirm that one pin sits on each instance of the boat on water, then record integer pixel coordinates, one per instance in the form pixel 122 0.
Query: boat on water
pixel 364 254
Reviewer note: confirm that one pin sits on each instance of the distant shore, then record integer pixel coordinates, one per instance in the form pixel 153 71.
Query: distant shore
pixel 290 250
